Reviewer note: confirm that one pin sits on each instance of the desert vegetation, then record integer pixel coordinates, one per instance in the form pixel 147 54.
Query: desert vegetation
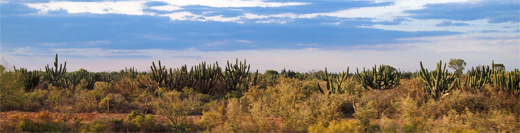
pixel 234 98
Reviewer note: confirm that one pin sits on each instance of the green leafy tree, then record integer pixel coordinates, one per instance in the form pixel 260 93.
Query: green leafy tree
pixel 498 66
pixel 458 65
pixel 2 68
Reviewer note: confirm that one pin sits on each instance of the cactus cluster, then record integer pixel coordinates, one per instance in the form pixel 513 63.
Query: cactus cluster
pixel 382 78
pixel 206 77
pixel 30 79
pixel 478 77
pixel 292 74
pixel 55 75
pixel 130 72
pixel 237 76
pixel 159 74
pixel 439 82
pixel 81 76
pixel 180 78
pixel 271 76
pixel 513 82
pixel 334 83
pixel 508 82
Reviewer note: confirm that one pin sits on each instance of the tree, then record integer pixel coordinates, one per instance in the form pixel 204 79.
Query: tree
pixel 498 66
pixel 458 65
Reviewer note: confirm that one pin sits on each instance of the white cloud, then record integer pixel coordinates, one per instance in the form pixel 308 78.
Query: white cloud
pixel 243 41
pixel 271 21
pixel 382 13
pixel 104 7
pixel 166 8
pixel 257 16
pixel 231 3
pixel 136 7
pixel 180 16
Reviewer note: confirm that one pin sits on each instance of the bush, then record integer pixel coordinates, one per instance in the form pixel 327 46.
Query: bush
pixel 113 102
pixel 334 127
pixel 96 126
pixel 366 114
pixel 176 106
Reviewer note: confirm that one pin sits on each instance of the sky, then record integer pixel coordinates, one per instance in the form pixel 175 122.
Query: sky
pixel 301 35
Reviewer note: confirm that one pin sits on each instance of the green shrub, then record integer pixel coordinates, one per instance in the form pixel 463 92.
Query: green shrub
pixel 96 126
pixel 27 125
pixel 113 102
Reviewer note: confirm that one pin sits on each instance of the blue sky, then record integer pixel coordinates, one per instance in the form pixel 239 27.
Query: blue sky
pixel 108 35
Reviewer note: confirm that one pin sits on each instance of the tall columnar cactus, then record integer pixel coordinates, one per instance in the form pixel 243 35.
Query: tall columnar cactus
pixel 513 82
pixel 382 78
pixel 206 77
pixel 255 78
pixel 159 74
pixel 129 72
pixel 30 79
pixel 292 74
pixel 334 83
pixel 180 78
pixel 438 82
pixel 55 75
pixel 478 77
pixel 235 75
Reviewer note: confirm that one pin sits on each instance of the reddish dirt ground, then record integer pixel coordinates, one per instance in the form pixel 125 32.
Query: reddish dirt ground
pixel 84 117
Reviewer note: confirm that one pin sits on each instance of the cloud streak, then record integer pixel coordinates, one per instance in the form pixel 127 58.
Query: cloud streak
pixel 474 49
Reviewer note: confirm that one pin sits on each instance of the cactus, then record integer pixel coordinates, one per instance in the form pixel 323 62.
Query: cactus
pixel 255 78
pixel 159 74
pixel 54 74
pixel 74 78
pixel 206 77
pixel 292 74
pixel 385 77
pixel 334 86
pixel 513 82
pixel 130 72
pixel 30 79
pixel 478 77
pixel 236 75
pixel 439 82
pixel 181 78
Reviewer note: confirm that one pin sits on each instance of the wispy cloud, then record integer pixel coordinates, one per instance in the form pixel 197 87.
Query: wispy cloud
pixel 180 16
pixel 231 3
pixel 471 26
pixel 166 8
pixel 243 41
pixel 475 49
pixel 397 10
pixel 137 7
pixel 448 23
pixel 382 13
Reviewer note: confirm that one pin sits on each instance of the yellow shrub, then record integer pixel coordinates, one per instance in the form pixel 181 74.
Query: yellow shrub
pixel 334 126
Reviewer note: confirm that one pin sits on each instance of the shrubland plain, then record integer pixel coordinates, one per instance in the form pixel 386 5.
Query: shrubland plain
pixel 230 97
